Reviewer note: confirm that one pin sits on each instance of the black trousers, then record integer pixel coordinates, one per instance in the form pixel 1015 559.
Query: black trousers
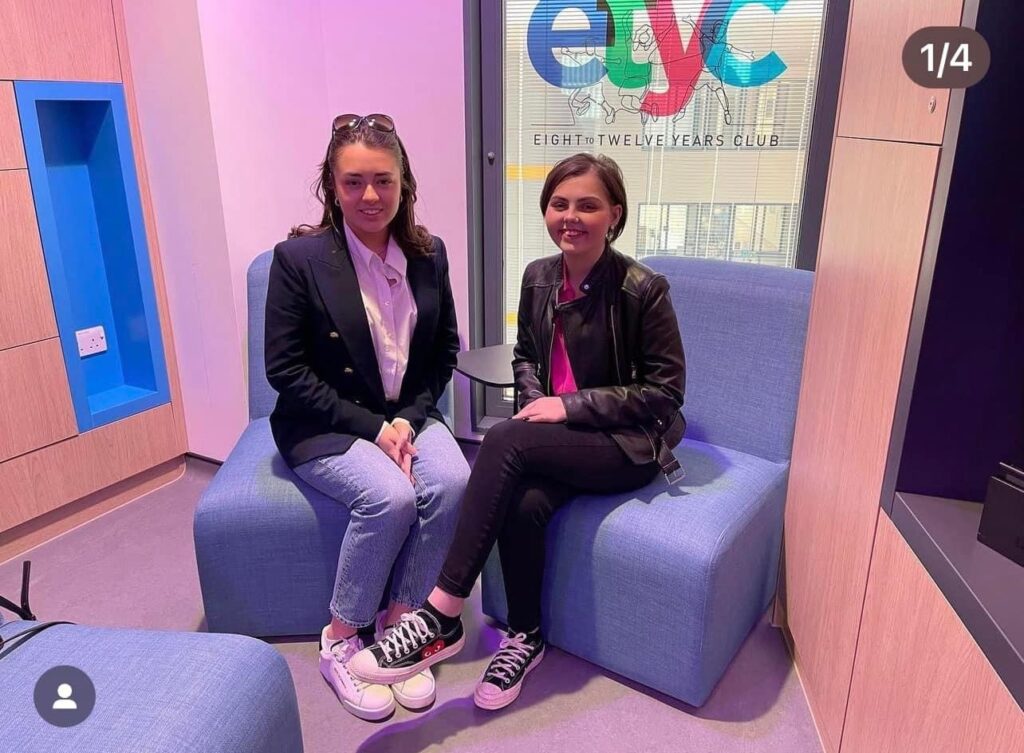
pixel 524 472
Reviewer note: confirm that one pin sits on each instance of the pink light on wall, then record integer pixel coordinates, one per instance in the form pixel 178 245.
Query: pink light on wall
pixel 237 107
pixel 407 60
pixel 177 136
pixel 267 89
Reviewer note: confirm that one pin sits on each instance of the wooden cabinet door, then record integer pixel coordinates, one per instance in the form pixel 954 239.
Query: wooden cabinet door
pixel 877 210
pixel 879 101
pixel 35 402
pixel 26 308
pixel 921 684
pixel 58 40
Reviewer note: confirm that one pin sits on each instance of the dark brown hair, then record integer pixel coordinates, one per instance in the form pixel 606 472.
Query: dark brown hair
pixel 412 238
pixel 579 164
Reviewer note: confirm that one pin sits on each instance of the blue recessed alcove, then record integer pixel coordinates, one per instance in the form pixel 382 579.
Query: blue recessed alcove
pixel 79 153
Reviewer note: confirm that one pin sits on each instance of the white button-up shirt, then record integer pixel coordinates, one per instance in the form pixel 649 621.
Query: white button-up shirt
pixel 390 308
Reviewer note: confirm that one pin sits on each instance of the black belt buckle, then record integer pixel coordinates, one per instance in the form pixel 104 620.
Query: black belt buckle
pixel 673 472
pixel 669 464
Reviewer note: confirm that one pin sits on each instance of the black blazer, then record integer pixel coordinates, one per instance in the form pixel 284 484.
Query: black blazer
pixel 320 356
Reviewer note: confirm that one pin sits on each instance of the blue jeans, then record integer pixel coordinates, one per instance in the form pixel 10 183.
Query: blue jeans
pixel 393 525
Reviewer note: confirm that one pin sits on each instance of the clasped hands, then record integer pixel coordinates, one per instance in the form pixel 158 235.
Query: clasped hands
pixel 395 439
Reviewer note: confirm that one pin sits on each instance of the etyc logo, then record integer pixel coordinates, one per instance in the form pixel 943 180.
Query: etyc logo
pixel 683 48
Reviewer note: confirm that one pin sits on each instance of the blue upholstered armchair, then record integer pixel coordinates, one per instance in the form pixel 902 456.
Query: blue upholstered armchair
pixel 266 543
pixel 691 566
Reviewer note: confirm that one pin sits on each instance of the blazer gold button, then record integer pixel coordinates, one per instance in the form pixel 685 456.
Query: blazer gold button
pixel 334 335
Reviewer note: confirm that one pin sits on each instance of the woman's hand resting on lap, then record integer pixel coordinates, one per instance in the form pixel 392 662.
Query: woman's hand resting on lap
pixel 544 410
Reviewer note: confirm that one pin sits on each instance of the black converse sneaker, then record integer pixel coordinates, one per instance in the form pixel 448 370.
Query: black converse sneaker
pixel 502 681
pixel 415 643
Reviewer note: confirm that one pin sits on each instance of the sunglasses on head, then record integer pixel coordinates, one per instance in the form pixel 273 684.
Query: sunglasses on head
pixel 377 121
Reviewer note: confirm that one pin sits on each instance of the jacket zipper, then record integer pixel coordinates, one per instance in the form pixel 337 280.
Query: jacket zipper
pixel 551 352
pixel 615 346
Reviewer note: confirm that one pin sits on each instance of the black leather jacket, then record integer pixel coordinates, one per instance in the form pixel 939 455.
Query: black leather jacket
pixel 623 341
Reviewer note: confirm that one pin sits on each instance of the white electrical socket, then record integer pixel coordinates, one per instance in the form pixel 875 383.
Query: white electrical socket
pixel 91 341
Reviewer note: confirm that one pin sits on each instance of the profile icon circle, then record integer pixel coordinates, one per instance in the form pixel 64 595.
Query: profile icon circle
pixel 65 702
pixel 64 696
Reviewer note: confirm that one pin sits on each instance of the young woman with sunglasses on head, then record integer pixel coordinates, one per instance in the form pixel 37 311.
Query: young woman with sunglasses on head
pixel 600 372
pixel 361 340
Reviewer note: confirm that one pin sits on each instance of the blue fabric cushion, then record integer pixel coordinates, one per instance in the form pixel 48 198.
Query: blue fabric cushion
pixel 743 328
pixel 262 396
pixel 266 543
pixel 663 584
pixel 156 692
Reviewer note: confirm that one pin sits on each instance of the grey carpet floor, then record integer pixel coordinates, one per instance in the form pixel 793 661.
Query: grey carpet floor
pixel 135 567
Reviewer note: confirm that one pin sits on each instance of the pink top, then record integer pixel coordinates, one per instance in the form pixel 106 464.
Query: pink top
pixel 562 379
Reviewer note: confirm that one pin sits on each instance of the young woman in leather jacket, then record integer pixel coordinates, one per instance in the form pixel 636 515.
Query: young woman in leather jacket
pixel 600 372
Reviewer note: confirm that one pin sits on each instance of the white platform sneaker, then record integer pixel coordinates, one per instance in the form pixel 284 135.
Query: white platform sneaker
pixel 362 699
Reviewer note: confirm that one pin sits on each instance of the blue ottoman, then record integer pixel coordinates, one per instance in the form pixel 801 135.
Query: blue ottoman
pixel 266 543
pixel 156 692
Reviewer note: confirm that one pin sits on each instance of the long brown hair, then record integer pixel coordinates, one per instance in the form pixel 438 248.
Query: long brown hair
pixel 606 169
pixel 412 238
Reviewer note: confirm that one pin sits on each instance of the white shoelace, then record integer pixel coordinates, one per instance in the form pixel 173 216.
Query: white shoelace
pixel 513 653
pixel 410 633
pixel 343 651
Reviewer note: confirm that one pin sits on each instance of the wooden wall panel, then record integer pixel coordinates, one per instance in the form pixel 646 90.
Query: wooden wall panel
pixel 40 481
pixel 921 684
pixel 18 540
pixel 68 40
pixel 26 308
pixel 872 239
pixel 35 401
pixel 12 152
pixel 879 101
pixel 58 40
